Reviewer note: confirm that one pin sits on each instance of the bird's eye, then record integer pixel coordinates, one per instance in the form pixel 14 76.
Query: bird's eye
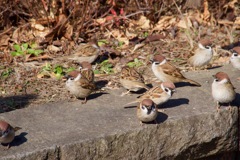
pixel 235 54
pixel 143 107
pixel 157 63
pixel 166 90
pixel 71 78
pixel 208 47
pixel 216 80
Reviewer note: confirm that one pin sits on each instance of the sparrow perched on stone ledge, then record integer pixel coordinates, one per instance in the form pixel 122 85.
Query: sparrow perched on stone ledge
pixel 7 133
pixel 147 111
pixel 132 80
pixel 203 54
pixel 79 86
pixel 166 72
pixel 158 94
pixel 222 89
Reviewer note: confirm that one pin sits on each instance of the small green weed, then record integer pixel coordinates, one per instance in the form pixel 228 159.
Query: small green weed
pixel 105 68
pixel 135 63
pixel 25 48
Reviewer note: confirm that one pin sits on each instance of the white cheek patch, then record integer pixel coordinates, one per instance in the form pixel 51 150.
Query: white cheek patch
pixel 78 77
pixel 222 81
pixel 201 46
pixel 163 62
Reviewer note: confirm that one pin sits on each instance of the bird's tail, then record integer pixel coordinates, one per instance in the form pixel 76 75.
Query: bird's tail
pixel 193 82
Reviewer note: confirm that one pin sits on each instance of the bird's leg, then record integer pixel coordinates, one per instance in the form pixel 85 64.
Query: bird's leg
pixel 141 123
pixel 160 110
pixel 85 101
pixel 125 93
pixel 218 107
pixel 229 107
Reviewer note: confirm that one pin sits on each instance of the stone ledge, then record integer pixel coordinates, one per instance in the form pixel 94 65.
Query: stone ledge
pixel 190 127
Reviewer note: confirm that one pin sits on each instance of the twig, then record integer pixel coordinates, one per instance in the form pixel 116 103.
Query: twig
pixel 188 29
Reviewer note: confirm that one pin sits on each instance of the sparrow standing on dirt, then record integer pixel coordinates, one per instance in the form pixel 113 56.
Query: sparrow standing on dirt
pixel 79 86
pixel 166 72
pixel 87 52
pixel 222 89
pixel 147 111
pixel 203 54
pixel 132 80
pixel 7 133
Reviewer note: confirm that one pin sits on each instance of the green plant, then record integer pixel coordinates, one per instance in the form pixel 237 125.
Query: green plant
pixel 135 63
pixel 105 68
pixel 25 48
pixel 55 72
pixel 6 73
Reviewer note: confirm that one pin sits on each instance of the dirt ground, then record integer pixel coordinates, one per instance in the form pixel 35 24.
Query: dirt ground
pixel 125 37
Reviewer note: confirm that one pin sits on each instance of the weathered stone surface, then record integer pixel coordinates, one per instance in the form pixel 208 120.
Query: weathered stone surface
pixel 190 127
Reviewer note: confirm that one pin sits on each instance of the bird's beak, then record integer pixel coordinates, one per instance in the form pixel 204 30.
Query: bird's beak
pixel 151 60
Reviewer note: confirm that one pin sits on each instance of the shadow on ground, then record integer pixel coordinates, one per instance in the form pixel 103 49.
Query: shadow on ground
pixel 15 102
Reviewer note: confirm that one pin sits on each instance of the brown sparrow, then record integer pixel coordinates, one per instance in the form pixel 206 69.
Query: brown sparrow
pixel 203 54
pixel 132 80
pixel 235 59
pixel 86 52
pixel 7 133
pixel 147 111
pixel 86 71
pixel 158 94
pixel 222 89
pixel 79 86
pixel 166 72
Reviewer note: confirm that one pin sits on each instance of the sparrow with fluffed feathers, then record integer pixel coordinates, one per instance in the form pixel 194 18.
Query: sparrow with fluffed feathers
pixel 79 86
pixel 147 111
pixel 203 54
pixel 158 94
pixel 222 89
pixel 87 52
pixel 86 71
pixel 166 72
pixel 132 80
pixel 7 133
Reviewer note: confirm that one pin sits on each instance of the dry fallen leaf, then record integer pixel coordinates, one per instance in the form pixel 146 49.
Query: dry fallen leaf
pixel 143 22
pixel 185 23
pixel 206 13
pixel 164 23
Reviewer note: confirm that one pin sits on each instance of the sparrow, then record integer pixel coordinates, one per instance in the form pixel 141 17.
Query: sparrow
pixel 203 54
pixel 222 89
pixel 86 52
pixel 79 86
pixel 235 58
pixel 147 111
pixel 7 133
pixel 86 71
pixel 132 80
pixel 166 72
pixel 158 94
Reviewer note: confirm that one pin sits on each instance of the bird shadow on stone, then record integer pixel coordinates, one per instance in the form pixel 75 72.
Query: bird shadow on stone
pixel 96 95
pixel 19 139
pixel 183 84
pixel 236 101
pixel 215 67
pixel 101 83
pixel 11 103
pixel 174 103
pixel 160 118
